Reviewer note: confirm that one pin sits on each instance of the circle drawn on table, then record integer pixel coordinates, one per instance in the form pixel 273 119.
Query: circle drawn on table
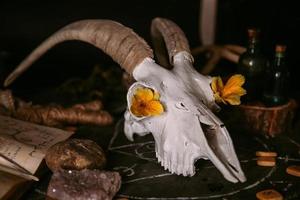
pixel 208 183
pixel 146 151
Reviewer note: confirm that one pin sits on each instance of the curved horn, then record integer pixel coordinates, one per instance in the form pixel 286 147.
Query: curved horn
pixel 175 39
pixel 121 43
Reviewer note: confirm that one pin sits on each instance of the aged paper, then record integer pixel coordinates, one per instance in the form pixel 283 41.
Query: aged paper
pixel 8 183
pixel 23 145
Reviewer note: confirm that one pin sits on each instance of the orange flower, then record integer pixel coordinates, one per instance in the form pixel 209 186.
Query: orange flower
pixel 145 102
pixel 231 92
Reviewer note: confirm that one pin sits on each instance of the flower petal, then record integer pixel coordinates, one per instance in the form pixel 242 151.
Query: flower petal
pixel 144 94
pixel 156 96
pixel 235 81
pixel 145 103
pixel 135 107
pixel 154 108
pixel 217 84
pixel 233 99
pixel 231 91
pixel 234 87
pixel 217 97
pixel 234 91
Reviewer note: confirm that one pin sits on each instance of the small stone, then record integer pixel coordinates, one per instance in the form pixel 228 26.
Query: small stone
pixel 84 184
pixel 75 154
pixel 293 170
pixel 266 161
pixel 269 194
pixel 266 153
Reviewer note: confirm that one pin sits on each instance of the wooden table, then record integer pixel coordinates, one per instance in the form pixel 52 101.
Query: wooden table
pixel 144 178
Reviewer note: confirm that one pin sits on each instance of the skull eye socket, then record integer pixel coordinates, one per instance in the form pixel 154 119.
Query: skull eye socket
pixel 181 106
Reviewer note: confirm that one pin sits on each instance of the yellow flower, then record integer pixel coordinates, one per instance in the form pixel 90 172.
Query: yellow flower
pixel 231 92
pixel 145 102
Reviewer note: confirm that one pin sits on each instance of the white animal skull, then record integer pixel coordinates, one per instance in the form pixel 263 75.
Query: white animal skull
pixel 187 130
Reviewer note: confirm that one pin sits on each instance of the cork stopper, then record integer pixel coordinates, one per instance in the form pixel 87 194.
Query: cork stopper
pixel 280 48
pixel 253 33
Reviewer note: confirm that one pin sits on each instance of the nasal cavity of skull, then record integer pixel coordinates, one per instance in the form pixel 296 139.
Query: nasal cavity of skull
pixel 162 85
pixel 181 106
pixel 186 143
pixel 207 129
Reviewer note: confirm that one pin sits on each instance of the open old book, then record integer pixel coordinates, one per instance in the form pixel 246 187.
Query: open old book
pixel 23 147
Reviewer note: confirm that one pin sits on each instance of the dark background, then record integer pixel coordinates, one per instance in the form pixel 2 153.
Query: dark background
pixel 25 24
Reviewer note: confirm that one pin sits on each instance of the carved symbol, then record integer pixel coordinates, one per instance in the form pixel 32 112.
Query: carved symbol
pixel 145 150
pixel 127 171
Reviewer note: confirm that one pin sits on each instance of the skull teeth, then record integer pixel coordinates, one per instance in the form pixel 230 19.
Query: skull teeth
pixel 173 167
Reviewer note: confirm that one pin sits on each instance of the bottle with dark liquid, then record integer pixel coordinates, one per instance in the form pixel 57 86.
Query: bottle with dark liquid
pixel 252 64
pixel 277 77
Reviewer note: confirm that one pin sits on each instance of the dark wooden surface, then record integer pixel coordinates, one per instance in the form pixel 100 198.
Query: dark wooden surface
pixel 144 178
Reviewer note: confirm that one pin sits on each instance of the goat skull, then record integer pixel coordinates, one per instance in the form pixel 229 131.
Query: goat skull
pixel 187 130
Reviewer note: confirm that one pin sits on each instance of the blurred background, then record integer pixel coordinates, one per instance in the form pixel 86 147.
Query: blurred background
pixel 25 24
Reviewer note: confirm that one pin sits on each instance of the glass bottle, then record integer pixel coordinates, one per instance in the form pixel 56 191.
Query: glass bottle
pixel 276 85
pixel 252 64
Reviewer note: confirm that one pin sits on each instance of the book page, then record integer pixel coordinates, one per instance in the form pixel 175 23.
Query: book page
pixel 8 184
pixel 25 144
